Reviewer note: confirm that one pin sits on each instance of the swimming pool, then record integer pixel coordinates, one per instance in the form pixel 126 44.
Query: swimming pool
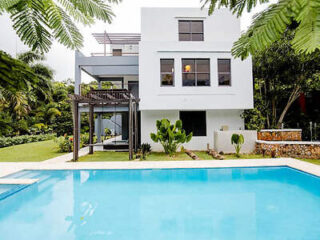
pixel 264 203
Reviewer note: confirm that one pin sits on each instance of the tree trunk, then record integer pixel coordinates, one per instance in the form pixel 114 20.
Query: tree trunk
pixel 293 97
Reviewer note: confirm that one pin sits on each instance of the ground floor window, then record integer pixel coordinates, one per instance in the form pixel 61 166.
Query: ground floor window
pixel 195 122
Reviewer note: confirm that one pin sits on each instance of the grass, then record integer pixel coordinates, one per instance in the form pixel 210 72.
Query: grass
pixel 30 152
pixel 156 156
pixel 314 161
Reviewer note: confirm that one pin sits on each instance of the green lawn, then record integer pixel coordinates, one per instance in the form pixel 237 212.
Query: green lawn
pixel 155 156
pixel 30 152
pixel 314 161
pixel 204 156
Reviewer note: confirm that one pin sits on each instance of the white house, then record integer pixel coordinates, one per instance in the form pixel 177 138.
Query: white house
pixel 182 68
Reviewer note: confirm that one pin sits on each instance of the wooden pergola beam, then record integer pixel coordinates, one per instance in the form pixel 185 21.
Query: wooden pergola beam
pixel 91 127
pixel 75 130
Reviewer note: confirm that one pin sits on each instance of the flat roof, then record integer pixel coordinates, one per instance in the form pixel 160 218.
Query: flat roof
pixel 117 38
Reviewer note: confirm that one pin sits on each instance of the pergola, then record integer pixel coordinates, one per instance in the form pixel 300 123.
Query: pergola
pixel 100 98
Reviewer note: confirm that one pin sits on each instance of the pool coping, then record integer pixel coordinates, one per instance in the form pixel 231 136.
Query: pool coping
pixel 10 168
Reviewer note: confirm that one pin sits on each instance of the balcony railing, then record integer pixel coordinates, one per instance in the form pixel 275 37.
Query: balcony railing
pixel 97 54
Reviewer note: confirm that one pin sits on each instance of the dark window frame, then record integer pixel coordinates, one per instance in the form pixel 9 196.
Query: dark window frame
pixel 114 50
pixel 230 83
pixel 200 133
pixel 190 33
pixel 172 73
pixel 195 72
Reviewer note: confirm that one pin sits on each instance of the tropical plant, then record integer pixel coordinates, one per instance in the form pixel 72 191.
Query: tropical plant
pixel 15 75
pixel 269 25
pixel 171 136
pixel 65 143
pixel 237 140
pixel 145 149
pixel 284 75
pixel 39 22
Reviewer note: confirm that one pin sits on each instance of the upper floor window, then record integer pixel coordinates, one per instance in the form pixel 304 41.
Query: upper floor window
pixel 196 72
pixel 190 30
pixel 167 72
pixel 116 52
pixel 224 72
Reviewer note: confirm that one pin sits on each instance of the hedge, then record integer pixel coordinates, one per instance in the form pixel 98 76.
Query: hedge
pixel 11 141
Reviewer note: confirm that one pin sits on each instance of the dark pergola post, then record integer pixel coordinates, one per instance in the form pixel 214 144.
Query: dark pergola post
pixel 110 97
pixel 75 130
pixel 91 125
pixel 130 130
pixel 135 128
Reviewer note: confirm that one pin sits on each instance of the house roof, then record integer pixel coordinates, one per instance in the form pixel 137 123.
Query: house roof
pixel 117 38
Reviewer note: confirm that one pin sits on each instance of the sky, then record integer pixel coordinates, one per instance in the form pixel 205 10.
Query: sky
pixel 127 19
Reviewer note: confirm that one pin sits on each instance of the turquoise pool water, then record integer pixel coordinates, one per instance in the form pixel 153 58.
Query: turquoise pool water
pixel 267 203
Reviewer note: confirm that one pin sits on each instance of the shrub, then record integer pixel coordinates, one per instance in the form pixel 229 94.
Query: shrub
pixel 237 140
pixel 11 141
pixel 171 136
pixel 145 150
pixel 65 143
pixel 84 139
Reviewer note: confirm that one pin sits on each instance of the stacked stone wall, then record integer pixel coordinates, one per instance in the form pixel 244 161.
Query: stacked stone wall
pixel 274 135
pixel 296 150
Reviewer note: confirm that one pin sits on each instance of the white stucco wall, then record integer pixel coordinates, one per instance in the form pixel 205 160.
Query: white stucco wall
pixel 159 33
pixel 215 120
pixel 222 141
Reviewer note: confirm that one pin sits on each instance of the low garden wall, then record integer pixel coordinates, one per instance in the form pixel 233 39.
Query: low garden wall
pixel 222 141
pixel 297 149
pixel 280 135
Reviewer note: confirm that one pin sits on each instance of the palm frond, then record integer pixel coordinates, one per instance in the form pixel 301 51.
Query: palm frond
pixel 64 30
pixel 28 21
pixel 94 8
pixel 267 27
pixel 38 22
pixel 307 37
pixel 30 57
pixel 15 75
pixel 236 6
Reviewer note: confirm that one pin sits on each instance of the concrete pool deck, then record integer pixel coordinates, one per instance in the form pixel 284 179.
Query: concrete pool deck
pixel 13 167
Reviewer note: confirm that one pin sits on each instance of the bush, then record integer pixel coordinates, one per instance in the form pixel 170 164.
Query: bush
pixel 84 139
pixel 65 143
pixel 145 149
pixel 171 136
pixel 11 141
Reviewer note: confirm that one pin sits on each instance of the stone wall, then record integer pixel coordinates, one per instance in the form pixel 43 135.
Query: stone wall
pixel 309 150
pixel 280 135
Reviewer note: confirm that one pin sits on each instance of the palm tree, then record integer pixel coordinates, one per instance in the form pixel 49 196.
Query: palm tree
pixel 38 22
pixel 269 25
pixel 44 74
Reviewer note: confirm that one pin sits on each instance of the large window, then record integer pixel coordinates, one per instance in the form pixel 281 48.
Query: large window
pixel 194 122
pixel 167 72
pixel 190 30
pixel 195 72
pixel 224 72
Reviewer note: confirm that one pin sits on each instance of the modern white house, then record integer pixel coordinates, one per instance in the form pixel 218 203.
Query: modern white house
pixel 181 67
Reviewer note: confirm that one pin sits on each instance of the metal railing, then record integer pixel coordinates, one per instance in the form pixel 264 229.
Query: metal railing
pixel 99 54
